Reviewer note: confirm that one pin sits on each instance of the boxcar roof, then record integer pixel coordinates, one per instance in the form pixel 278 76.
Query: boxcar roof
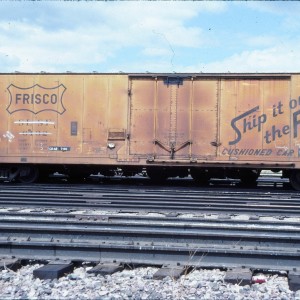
pixel 147 74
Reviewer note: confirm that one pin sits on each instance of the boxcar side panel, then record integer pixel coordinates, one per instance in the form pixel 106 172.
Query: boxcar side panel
pixel 30 108
pixel 63 118
pixel 204 129
pixel 95 118
pixel 255 119
pixel 118 117
pixel 276 97
pixel 74 106
pixel 142 121
pixel 293 109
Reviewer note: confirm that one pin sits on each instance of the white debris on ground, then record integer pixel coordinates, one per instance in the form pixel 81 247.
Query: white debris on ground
pixel 139 284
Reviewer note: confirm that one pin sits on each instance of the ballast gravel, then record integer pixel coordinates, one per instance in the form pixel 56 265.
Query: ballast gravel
pixel 139 284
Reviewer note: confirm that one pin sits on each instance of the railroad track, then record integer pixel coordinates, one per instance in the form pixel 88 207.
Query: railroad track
pixel 153 198
pixel 151 240
pixel 213 227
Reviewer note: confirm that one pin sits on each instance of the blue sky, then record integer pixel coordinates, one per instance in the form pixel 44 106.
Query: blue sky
pixel 141 36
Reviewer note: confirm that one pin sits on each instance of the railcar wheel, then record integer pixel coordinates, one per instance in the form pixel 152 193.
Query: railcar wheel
pixel 295 180
pixel 28 174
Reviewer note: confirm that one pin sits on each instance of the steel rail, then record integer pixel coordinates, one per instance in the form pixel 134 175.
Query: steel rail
pixel 167 199
pixel 256 207
pixel 78 190
pixel 81 190
pixel 136 217
pixel 165 229
pixel 145 253
pixel 152 244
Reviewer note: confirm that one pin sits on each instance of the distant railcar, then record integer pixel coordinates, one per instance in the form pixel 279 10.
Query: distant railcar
pixel 205 125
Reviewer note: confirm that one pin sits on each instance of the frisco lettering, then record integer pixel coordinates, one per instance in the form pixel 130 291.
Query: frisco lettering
pixel 35 99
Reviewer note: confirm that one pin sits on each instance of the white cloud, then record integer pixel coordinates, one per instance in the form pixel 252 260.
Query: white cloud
pixel 85 33
pixel 275 7
pixel 155 51
pixel 291 24
pixel 280 58
pixel 261 41
pixel 139 36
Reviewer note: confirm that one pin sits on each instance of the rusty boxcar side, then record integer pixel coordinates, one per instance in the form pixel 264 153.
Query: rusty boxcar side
pixel 208 125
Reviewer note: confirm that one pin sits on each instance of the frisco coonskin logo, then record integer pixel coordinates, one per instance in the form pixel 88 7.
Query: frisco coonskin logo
pixel 36 99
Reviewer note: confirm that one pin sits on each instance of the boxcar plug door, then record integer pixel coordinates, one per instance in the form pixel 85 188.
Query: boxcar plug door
pixel 173 120
pixel 161 118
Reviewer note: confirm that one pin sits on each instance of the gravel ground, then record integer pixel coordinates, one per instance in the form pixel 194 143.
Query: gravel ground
pixel 138 284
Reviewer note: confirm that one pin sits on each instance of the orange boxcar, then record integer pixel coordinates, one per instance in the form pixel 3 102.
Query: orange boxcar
pixel 206 125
